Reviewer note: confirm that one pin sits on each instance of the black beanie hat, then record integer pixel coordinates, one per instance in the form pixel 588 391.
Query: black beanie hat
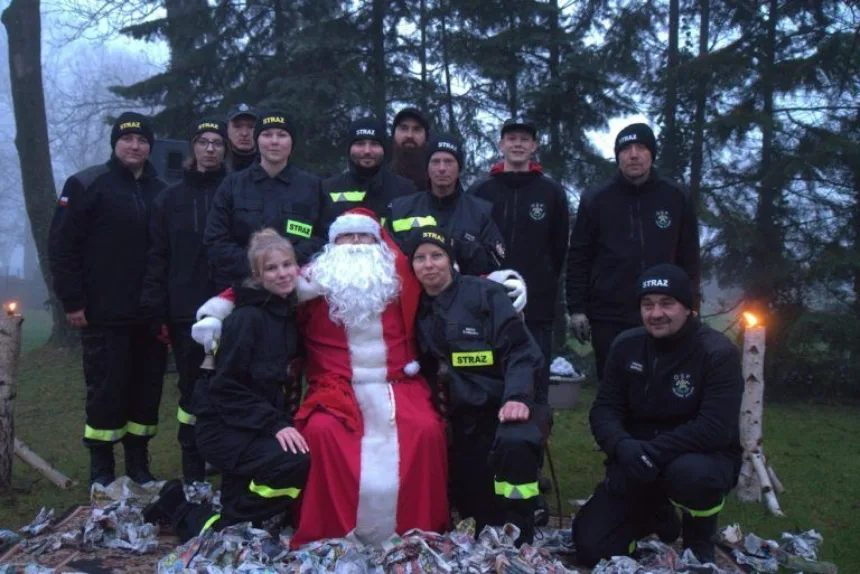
pixel 131 123
pixel 270 119
pixel 367 129
pixel 432 235
pixel 446 143
pixel 667 279
pixel 636 133
pixel 210 124
pixel 413 113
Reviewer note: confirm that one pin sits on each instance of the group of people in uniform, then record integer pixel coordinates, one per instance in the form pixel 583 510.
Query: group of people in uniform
pixel 419 313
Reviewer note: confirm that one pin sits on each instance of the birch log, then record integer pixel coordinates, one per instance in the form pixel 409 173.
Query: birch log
pixel 10 351
pixel 42 466
pixel 755 478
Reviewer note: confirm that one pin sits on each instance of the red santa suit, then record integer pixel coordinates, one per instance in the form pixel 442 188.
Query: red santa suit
pixel 378 447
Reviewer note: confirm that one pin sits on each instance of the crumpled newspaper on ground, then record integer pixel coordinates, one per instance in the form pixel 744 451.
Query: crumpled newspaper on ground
pixel 798 553
pixel 242 548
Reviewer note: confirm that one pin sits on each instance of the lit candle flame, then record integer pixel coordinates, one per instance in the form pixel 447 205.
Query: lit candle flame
pixel 10 307
pixel 751 319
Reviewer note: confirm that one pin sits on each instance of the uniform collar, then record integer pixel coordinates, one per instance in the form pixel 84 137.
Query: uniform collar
pixel 115 165
pixel 627 185
pixel 194 177
pixel 259 174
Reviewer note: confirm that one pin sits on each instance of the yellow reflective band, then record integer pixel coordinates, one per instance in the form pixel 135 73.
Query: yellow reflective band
pixel 208 524
pixel 472 359
pixel 299 228
pixel 408 223
pixel 103 435
pixel 632 547
pixel 141 430
pixel 382 221
pixel 269 492
pixel 700 513
pixel 353 196
pixel 516 491
pixel 185 418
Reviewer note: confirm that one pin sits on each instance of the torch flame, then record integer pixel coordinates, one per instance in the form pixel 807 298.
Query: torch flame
pixel 751 319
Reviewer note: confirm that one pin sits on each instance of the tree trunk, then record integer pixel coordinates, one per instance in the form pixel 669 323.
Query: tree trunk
pixel 10 351
pixel 669 162
pixel 424 97
pixel 554 163
pixel 855 217
pixel 446 64
pixel 755 477
pixel 377 32
pixel 698 151
pixel 24 31
pixel 180 95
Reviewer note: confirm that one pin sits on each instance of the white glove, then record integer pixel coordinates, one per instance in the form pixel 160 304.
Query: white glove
pixel 515 285
pixel 217 307
pixel 307 288
pixel 207 332
pixel 579 326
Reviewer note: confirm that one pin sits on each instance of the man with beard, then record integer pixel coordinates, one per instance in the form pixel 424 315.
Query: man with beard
pixel 624 226
pixel 368 182
pixel 410 132
pixel 240 132
pixel 97 252
pixel 379 446
pixel 666 415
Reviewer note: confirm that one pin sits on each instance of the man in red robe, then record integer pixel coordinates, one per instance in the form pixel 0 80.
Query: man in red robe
pixel 377 444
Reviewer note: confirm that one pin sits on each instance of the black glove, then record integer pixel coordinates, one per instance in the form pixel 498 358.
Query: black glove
pixel 637 465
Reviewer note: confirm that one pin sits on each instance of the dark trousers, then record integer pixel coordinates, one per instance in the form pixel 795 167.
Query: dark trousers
pixel 263 483
pixel 493 469
pixel 124 371
pixel 621 512
pixel 542 333
pixel 602 335
pixel 188 355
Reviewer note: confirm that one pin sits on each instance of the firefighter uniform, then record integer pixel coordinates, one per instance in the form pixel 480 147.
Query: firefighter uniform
pixel 487 358
pixel 241 409
pixel 249 200
pixel 97 252
pixel 177 282
pixel 672 404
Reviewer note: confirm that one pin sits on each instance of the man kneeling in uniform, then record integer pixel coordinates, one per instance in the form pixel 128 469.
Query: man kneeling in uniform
pixel 666 415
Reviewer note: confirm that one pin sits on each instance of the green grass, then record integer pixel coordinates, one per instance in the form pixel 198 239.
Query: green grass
pixel 813 448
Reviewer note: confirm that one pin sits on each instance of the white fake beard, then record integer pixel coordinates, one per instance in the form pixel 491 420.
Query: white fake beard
pixel 358 281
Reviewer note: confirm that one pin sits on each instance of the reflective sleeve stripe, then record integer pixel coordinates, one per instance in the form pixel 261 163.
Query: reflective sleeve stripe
pixel 112 435
pixel 353 196
pixel 408 223
pixel 269 492
pixel 184 417
pixel 298 228
pixel 208 524
pixel 631 548
pixel 141 430
pixel 516 491
pixel 700 513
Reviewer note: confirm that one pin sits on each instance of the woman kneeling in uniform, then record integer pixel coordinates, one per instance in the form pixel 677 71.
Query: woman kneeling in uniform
pixel 468 330
pixel 244 426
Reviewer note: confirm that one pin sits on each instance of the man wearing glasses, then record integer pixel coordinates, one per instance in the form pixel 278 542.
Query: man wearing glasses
pixel 177 266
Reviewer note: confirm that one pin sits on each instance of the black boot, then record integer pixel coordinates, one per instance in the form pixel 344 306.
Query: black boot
pixel 666 524
pixel 521 513
pixel 163 509
pixel 699 534
pixel 102 467
pixel 193 466
pixel 137 460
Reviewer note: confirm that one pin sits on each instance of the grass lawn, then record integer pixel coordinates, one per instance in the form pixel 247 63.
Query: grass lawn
pixel 813 448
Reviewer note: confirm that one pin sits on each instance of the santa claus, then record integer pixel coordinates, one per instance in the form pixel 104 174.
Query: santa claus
pixel 377 444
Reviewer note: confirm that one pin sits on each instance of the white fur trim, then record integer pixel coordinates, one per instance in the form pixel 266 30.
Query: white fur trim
pixel 411 369
pixel 307 289
pixel 368 352
pixel 217 307
pixel 353 223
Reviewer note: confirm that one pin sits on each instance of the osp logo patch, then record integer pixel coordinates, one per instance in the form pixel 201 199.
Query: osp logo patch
pixel 663 219
pixel 681 385
pixel 537 211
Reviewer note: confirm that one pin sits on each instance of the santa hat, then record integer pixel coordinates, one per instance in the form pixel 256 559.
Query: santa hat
pixel 356 220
